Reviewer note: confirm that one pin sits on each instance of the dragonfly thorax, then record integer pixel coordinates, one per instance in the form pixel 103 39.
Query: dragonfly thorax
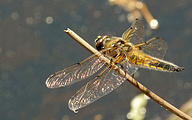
pixel 106 41
pixel 115 47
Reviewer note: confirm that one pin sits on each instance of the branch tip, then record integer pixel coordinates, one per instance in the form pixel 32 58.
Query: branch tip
pixel 67 31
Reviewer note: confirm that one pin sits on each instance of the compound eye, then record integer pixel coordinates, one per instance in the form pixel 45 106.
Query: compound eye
pixel 98 38
pixel 106 36
pixel 99 41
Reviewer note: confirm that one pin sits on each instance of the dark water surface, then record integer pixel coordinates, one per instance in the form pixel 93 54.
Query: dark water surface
pixel 33 46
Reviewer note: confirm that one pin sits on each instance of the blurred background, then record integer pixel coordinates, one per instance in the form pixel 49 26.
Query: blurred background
pixel 33 46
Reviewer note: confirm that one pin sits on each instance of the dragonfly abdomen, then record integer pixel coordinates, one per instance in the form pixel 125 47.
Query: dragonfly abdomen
pixel 166 66
pixel 146 61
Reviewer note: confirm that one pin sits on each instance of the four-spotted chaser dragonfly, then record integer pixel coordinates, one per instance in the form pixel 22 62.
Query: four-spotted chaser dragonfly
pixel 128 52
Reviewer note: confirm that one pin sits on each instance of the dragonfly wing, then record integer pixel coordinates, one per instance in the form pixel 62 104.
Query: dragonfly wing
pixel 155 47
pixel 75 72
pixel 135 34
pixel 128 67
pixel 100 86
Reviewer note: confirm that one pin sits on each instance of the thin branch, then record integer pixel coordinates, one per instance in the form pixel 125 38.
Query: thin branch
pixel 135 83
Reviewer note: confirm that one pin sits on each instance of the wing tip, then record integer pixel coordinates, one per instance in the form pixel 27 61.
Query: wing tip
pixel 49 82
pixel 72 107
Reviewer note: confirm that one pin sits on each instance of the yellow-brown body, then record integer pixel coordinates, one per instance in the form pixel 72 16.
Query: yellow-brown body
pixel 122 49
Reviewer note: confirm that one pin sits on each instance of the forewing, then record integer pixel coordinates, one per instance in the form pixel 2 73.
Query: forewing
pixel 95 89
pixel 75 72
pixel 135 34
pixel 155 47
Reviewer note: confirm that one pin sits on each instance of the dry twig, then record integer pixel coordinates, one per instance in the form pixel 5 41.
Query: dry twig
pixel 135 83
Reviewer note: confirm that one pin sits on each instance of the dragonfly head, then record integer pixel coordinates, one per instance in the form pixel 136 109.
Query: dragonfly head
pixel 99 41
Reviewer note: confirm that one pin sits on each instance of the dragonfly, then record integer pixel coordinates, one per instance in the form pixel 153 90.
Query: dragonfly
pixel 128 52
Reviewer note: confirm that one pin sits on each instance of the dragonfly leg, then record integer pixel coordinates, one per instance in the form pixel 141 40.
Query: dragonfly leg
pixel 123 69
pixel 133 76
